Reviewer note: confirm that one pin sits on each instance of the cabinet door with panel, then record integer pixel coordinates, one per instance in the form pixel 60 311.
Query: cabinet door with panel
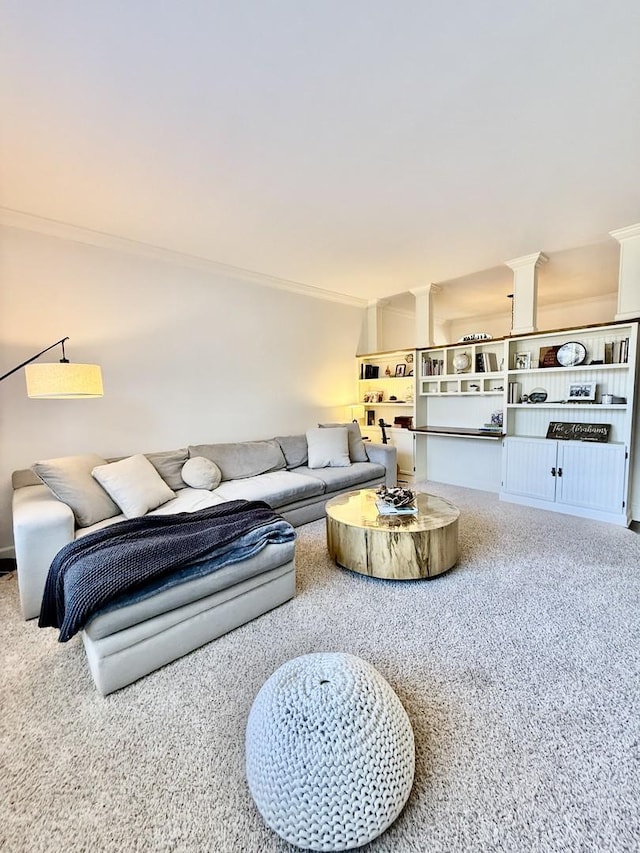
pixel 591 475
pixel 530 468
pixel 404 441
pixel 571 476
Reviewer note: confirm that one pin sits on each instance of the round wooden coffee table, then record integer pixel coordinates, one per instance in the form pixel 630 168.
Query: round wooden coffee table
pixel 396 547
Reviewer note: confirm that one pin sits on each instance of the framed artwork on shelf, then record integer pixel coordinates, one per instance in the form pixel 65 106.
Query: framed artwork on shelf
pixel 522 361
pixel 549 357
pixel 581 392
pixel 401 370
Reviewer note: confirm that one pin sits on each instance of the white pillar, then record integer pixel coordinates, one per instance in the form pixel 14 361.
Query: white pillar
pixel 525 292
pixel 424 314
pixel 373 325
pixel 629 276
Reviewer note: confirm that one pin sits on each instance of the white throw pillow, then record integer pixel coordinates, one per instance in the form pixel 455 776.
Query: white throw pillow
pixel 328 448
pixel 134 484
pixel 201 473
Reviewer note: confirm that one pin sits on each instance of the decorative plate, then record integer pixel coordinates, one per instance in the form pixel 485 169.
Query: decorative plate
pixel 409 358
pixel 571 353
pixel 538 395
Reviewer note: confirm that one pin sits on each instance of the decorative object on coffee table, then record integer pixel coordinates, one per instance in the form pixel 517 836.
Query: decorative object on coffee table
pixel 395 500
pixel 394 547
pixel 330 754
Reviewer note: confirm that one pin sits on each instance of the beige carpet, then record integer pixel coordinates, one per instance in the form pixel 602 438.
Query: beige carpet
pixel 519 670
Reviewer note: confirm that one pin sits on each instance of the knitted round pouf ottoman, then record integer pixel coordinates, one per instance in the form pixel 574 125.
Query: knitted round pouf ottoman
pixel 329 751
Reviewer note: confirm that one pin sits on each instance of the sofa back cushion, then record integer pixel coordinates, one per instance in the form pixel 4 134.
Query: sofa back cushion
pixel 357 450
pixel 70 480
pixel 168 464
pixel 294 448
pixel 242 459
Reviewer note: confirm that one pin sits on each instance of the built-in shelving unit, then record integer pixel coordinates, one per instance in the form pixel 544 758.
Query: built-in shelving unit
pixel 459 391
pixel 378 383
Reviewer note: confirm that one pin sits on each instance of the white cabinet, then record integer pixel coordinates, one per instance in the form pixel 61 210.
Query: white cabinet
pixel 403 440
pixel 529 468
pixel 575 477
pixel 583 377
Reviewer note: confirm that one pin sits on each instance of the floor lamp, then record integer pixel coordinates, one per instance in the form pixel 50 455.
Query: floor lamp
pixel 60 380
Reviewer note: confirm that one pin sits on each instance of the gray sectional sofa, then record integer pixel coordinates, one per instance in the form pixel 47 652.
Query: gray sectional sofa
pixel 61 500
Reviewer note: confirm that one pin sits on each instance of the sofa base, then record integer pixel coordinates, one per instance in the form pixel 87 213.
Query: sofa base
pixel 122 658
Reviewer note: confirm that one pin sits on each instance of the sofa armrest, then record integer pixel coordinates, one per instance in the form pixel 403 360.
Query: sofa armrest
pixel 384 454
pixel 42 525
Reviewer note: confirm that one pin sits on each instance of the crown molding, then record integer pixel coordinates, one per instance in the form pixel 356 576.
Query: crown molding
pixel 626 233
pixel 400 312
pixel 75 233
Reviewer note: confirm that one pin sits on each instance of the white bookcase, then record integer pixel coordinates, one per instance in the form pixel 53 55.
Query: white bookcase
pixel 387 396
pixel 582 478
pixel 460 388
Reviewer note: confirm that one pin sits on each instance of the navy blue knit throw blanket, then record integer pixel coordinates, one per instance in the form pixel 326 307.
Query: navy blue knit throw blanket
pixel 91 571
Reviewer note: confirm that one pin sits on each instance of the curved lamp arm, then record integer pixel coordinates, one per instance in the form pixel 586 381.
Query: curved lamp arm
pixel 64 360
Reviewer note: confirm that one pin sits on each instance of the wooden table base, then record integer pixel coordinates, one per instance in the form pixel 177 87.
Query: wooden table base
pixel 404 547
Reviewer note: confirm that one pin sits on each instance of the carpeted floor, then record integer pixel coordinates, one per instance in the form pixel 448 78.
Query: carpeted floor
pixel 519 670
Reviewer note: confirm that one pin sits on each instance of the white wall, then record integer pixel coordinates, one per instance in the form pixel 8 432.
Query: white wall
pixel 187 356
pixel 397 329
pixel 562 315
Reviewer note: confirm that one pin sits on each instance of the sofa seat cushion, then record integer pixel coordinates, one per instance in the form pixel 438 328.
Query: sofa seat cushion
pixel 277 488
pixel 342 478
pixel 113 619
pixel 189 500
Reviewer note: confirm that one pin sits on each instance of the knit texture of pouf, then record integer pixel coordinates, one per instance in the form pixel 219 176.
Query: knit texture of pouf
pixel 330 755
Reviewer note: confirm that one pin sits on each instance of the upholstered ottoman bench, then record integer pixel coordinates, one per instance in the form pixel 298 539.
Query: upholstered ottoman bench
pixel 149 589
pixel 128 642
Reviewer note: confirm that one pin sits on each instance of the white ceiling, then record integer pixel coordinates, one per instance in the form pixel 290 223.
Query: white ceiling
pixel 358 146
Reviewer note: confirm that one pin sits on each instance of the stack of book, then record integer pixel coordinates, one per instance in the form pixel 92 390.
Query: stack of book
pixel 369 371
pixel 486 362
pixel 432 366
pixel 388 509
pixel 616 352
pixel 513 392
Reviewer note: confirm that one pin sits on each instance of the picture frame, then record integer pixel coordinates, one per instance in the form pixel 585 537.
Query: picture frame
pixel 401 370
pixel 548 356
pixel 581 392
pixel 522 361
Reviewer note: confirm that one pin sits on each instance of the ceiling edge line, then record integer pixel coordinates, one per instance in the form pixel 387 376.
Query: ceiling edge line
pixel 75 233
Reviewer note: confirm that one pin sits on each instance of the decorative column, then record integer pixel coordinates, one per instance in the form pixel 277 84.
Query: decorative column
pixel 525 292
pixel 629 275
pixel 373 325
pixel 424 314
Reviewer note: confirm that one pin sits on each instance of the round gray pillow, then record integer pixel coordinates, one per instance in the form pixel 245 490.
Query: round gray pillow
pixel 201 473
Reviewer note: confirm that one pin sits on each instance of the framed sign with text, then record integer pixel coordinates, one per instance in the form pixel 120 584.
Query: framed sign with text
pixel 565 431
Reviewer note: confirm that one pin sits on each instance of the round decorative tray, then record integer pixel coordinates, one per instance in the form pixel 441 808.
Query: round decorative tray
pixel 538 395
